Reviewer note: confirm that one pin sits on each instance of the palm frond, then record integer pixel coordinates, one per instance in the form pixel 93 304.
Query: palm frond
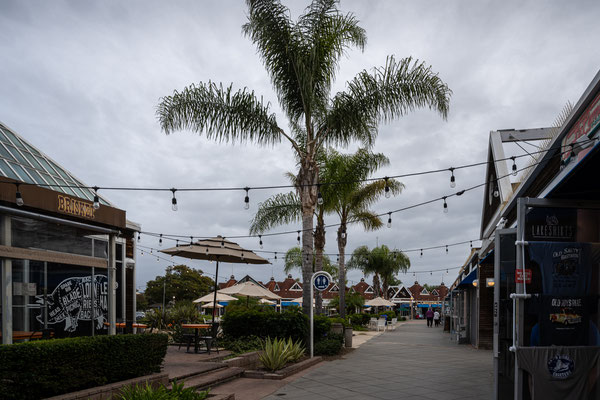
pixel 281 209
pixel 389 92
pixel 369 220
pixel 220 113
pixel 368 194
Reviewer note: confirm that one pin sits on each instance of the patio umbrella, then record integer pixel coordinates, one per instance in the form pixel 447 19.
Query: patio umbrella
pixel 265 301
pixel 249 289
pixel 211 305
pixel 211 296
pixel 379 302
pixel 216 249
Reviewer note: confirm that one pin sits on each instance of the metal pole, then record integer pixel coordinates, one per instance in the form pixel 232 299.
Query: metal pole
pixel 215 295
pixel 312 333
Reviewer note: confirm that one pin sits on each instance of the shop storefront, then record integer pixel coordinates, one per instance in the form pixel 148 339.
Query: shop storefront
pixel 67 267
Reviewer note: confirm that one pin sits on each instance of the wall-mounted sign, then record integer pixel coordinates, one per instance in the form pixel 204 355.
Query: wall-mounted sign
pixel 586 123
pixel 551 224
pixel 78 208
pixel 519 275
pixel 71 302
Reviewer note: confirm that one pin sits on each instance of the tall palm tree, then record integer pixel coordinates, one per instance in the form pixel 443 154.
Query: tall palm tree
pixel 293 261
pixel 351 200
pixel 302 58
pixel 382 262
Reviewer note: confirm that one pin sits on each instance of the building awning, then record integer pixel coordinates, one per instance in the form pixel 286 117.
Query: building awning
pixel 429 305
pixel 289 303
pixel 468 281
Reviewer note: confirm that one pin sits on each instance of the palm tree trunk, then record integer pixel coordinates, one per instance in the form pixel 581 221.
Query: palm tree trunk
pixel 385 286
pixel 341 240
pixel 376 285
pixel 307 177
pixel 319 241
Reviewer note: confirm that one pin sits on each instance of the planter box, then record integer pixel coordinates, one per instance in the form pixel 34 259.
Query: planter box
pixel 285 372
pixel 246 360
pixel 107 391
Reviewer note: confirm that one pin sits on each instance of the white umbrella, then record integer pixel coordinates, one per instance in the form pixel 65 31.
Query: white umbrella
pixel 265 301
pixel 211 296
pixel 249 289
pixel 379 302
pixel 211 305
pixel 298 300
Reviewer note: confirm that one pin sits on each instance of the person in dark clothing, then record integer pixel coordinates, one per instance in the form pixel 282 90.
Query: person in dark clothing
pixel 429 316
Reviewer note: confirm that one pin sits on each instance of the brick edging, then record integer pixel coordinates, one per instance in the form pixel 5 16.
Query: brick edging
pixel 285 372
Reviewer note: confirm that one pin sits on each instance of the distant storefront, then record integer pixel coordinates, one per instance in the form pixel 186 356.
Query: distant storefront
pixel 67 268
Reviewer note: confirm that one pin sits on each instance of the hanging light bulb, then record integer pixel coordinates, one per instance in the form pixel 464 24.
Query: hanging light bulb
pixel 157 259
pixel 388 194
pixel 18 197
pixel 445 206
pixel 430 273
pixel 338 258
pixel 96 204
pixel 343 231
pixel 389 223
pixel 141 252
pixel 191 240
pixel 514 166
pixel 246 199
pixel 421 253
pixel 496 191
pixel 173 200
pixel 452 178
pixel 319 196
pixel 176 243
pixel 276 255
pixel 222 242
pixel 414 274
pixel 160 240
pixel 260 243
pixel 446 249
pixel 471 244
pixel 242 255
pixel 298 238
pixel 207 251
pixel 139 237
pixel 446 271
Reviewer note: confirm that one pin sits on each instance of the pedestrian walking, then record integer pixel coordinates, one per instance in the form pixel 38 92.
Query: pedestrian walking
pixel 429 316
pixel 436 318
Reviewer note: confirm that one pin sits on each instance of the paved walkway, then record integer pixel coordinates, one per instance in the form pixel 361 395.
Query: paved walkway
pixel 413 362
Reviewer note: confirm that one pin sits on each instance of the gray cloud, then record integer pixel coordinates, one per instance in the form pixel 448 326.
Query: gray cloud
pixel 81 80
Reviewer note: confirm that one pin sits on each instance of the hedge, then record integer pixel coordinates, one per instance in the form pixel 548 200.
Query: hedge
pixel 239 323
pixel 46 368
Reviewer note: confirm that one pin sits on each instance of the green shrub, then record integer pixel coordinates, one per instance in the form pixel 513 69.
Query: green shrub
pixel 243 344
pixel 322 326
pixel 338 320
pixel 156 319
pixel 401 318
pixel 252 322
pixel 359 328
pixel 328 347
pixel 390 314
pixel 147 392
pixel 274 355
pixel 46 368
pixel 294 350
pixel 360 319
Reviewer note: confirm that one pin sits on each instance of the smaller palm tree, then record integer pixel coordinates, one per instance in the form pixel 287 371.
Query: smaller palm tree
pixel 382 263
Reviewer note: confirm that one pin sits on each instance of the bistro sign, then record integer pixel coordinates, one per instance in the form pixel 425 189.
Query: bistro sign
pixel 78 208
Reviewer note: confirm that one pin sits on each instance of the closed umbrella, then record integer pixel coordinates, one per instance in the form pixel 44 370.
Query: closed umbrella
pixel 249 289
pixel 216 249
pixel 211 296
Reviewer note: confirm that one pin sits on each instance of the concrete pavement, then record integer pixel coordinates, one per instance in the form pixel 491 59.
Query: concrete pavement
pixel 413 362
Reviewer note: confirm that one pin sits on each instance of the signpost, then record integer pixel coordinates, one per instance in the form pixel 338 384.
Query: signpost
pixel 320 281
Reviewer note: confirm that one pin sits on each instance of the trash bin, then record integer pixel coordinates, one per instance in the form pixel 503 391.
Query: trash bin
pixel 337 328
pixel 348 336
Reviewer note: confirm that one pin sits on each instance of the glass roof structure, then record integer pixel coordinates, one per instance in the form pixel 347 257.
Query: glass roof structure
pixel 21 161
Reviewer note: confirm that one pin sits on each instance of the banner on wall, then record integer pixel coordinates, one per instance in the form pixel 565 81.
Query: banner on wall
pixel 71 302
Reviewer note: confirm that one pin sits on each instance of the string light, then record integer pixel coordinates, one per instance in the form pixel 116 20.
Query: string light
pixel 471 244
pixel 96 204
pixel 191 240
pixel 223 242
pixel 242 255
pixel 338 258
pixel 157 259
pixel 207 251
pixel 446 249
pixel 343 235
pixel 421 253
pixel 319 196
pixel 452 179
pixel 173 200
pixel 260 243
pixel 139 237
pixel 514 166
pixel 247 199
pixel 298 238
pixel 445 205
pixel 389 223
pixel 177 243
pixel 276 255
pixel 159 240
pixel 496 190
pixel 387 188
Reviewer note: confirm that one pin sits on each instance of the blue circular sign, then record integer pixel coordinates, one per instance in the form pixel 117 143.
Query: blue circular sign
pixel 321 281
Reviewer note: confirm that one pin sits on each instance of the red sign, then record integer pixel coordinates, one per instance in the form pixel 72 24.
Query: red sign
pixel 519 275
pixel 589 119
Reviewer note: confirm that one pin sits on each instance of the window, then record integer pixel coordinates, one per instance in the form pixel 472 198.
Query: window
pixel 334 288
pixel 276 289
pixel 369 290
pixel 435 293
pixel 424 292
pixel 296 286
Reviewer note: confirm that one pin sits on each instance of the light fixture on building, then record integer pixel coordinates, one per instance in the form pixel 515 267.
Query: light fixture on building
pixel 247 199
pixel 475 282
pixel 452 178
pixel 174 200
pixel 489 282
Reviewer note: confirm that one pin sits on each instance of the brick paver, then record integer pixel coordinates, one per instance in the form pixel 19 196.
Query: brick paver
pixel 413 362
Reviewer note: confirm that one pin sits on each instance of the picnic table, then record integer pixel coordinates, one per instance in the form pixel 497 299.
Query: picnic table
pixel 196 328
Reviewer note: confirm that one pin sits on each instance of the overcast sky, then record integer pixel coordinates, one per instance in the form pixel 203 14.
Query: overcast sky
pixel 81 81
